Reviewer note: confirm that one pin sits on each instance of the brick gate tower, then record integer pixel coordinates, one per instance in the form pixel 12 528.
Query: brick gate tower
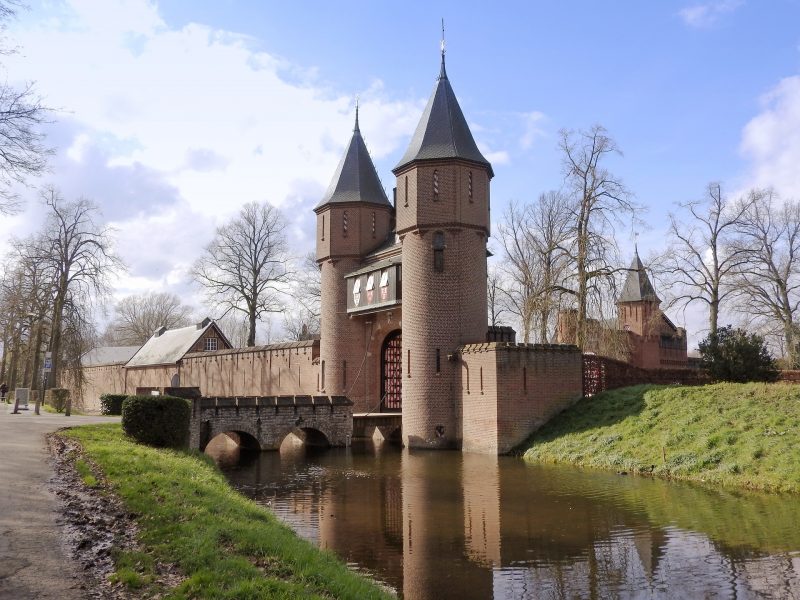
pixel 443 220
pixel 353 218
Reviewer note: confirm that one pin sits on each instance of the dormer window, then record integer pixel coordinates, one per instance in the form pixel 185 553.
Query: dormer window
pixel 438 252
pixel 435 185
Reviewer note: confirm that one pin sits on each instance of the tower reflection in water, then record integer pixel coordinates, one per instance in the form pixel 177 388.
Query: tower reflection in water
pixel 452 525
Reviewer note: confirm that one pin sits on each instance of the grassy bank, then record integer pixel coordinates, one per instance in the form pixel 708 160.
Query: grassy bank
pixel 744 435
pixel 224 544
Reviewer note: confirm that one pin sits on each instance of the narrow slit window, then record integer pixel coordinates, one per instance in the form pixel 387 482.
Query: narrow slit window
pixel 438 361
pixel 322 237
pixel 469 186
pixel 524 379
pixel 481 375
pixel 408 364
pixel 373 224
pixel 438 252
pixel 322 372
pixel 344 374
pixel 344 224
pixel 405 193
pixel 435 185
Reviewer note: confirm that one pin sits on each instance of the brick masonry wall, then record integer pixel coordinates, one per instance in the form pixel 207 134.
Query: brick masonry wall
pixel 602 373
pixel 279 369
pixel 524 386
pixel 98 380
pixel 270 419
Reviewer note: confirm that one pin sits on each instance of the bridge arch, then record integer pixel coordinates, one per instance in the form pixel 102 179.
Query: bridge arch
pixel 310 436
pixel 243 439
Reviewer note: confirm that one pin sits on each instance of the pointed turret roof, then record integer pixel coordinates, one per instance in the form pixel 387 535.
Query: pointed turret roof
pixel 637 285
pixel 355 179
pixel 443 131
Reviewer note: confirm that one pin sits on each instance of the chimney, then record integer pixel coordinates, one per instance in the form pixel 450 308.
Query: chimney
pixel 204 323
pixel 159 331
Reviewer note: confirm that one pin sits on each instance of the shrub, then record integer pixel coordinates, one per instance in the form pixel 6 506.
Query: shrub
pixel 111 404
pixel 735 355
pixel 161 421
pixel 57 398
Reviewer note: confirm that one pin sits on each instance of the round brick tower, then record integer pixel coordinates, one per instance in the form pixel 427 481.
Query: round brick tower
pixel 353 218
pixel 443 222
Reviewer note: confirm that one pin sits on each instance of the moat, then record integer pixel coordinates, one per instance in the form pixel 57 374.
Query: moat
pixel 451 525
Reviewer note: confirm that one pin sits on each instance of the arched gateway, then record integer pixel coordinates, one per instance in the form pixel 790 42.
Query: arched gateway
pixel 392 373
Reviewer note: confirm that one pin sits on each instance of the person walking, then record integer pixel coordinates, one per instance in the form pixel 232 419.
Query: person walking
pixel 3 391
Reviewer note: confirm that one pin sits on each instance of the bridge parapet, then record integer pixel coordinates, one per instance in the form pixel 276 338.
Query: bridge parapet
pixel 269 419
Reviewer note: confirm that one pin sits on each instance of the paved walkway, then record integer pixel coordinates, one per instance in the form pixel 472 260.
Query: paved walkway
pixel 33 560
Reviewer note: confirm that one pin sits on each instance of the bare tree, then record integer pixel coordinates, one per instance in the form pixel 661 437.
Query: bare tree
pixel 302 320
pixel 599 200
pixel 235 328
pixel 139 315
pixel 494 295
pixel 245 267
pixel 700 261
pixel 768 276
pixel 535 238
pixel 22 151
pixel 78 252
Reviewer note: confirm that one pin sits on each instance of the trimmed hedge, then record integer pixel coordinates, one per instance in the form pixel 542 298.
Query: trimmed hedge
pixel 161 421
pixel 111 404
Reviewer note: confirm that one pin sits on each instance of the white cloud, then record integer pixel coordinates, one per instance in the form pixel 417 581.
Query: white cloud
pixel 771 140
pixel 172 130
pixel 705 15
pixel 532 128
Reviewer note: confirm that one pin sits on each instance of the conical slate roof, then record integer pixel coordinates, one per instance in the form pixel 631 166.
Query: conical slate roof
pixel 355 179
pixel 443 131
pixel 637 285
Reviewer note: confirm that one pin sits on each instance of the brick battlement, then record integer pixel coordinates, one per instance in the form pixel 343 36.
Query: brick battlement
pixel 542 348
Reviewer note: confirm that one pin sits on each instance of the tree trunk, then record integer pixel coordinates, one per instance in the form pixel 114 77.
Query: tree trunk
pixel 251 334
pixel 55 340
pixel 713 313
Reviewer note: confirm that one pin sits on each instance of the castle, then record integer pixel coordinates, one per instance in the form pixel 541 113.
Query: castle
pixel 643 336
pixel 403 308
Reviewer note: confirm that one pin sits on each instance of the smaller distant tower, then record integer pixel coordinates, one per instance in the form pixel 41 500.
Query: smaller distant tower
pixel 639 314
pixel 353 219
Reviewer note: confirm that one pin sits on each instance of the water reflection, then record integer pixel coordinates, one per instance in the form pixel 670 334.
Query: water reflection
pixel 450 525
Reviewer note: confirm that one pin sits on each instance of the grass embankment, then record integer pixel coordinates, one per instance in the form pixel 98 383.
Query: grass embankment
pixel 225 545
pixel 744 435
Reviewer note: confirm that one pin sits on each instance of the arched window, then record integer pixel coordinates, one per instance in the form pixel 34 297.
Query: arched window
pixel 435 185
pixel 438 252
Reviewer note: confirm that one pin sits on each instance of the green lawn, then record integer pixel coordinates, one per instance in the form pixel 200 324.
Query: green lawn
pixel 745 435
pixel 225 545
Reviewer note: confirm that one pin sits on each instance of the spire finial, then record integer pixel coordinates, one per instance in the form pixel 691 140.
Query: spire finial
pixel 442 73
pixel 636 243
pixel 356 128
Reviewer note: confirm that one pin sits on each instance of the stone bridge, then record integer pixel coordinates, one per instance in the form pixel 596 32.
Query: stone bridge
pixel 263 422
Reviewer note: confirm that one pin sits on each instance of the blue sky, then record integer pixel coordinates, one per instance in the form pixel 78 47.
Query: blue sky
pixel 174 114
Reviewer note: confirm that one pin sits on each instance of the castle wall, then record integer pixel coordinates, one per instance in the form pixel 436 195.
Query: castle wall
pixel 279 369
pixel 510 390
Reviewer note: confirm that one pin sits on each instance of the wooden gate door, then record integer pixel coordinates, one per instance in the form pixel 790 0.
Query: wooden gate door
pixel 392 373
